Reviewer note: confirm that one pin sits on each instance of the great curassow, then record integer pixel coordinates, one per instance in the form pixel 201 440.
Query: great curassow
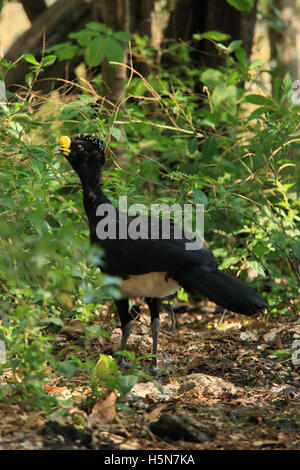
pixel 149 267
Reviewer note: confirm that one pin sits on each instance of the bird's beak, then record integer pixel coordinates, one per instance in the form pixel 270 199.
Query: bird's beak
pixel 64 146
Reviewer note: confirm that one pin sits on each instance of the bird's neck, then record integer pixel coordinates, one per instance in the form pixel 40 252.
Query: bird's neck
pixel 93 195
pixel 90 184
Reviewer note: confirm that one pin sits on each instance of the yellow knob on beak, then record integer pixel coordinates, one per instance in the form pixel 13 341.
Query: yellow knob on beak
pixel 65 144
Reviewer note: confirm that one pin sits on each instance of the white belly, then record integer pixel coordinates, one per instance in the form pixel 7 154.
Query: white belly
pixel 149 285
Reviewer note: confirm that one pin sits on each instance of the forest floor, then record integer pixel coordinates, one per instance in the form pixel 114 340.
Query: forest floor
pixel 229 382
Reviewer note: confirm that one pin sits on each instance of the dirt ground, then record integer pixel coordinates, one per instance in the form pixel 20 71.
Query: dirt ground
pixel 229 382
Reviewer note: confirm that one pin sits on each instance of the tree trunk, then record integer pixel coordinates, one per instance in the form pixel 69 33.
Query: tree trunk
pixel 140 22
pixel 185 18
pixel 116 15
pixel 191 17
pixel 283 42
pixel 55 23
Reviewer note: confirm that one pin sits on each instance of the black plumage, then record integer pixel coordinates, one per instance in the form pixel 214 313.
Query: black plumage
pixel 152 268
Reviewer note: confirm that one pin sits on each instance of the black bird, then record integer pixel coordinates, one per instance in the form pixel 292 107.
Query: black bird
pixel 149 267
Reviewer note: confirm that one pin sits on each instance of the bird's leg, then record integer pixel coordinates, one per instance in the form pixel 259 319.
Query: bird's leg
pixel 123 311
pixel 155 332
pixel 153 304
pixel 125 334
pixel 173 325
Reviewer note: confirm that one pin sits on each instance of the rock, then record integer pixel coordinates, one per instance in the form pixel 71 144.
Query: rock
pixel 210 385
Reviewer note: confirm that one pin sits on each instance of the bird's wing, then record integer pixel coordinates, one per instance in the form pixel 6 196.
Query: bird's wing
pixel 142 255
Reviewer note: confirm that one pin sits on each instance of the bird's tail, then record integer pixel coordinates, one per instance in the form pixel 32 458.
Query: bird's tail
pixel 221 288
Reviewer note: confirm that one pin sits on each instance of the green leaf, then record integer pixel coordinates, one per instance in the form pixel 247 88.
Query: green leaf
pixel 234 45
pixel 233 78
pixel 95 51
pixel 54 321
pixel 68 368
pixel 105 366
pixel 114 50
pixel 257 267
pixel 30 59
pixel 211 77
pixel 39 225
pixel 49 60
pixel 122 36
pixel 258 112
pixel 200 197
pixel 68 52
pixel 256 64
pixel 229 262
pixel 83 37
pixel 192 145
pixel 116 133
pixel 57 47
pixel 209 148
pixel 37 151
pixel 277 89
pixel 295 244
pixel 38 166
pixel 182 295
pixel 241 5
pixel 16 128
pixel 241 55
pixel 281 353
pixel 8 65
pixel 99 27
pixel 96 330
pixel 29 79
pixel 126 382
pixel 287 81
pixel 92 297
pixel 261 250
pixel 259 100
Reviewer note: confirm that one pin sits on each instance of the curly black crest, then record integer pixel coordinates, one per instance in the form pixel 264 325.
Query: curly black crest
pixel 90 139
pixel 84 152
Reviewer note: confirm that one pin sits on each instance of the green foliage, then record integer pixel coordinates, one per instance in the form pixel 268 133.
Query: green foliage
pixel 215 35
pixel 37 67
pixel 235 152
pixel 107 373
pixel 46 263
pixel 281 354
pixel 95 43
